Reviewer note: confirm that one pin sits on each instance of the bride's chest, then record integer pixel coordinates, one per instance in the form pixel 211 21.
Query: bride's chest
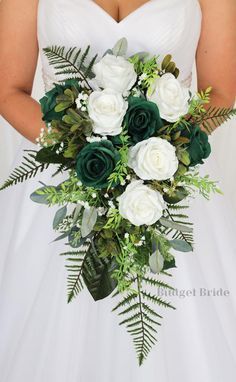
pixel 158 26
pixel 155 25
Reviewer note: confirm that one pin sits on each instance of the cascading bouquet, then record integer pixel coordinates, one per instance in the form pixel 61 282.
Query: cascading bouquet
pixel 127 135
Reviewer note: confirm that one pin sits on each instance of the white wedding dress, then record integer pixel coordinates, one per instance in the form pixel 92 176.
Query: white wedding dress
pixel 42 339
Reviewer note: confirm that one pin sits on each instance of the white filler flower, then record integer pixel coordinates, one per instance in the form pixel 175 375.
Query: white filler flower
pixel 107 109
pixel 115 72
pixel 153 159
pixel 171 97
pixel 140 204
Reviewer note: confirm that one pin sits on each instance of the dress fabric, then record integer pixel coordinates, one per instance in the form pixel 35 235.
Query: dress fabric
pixel 42 338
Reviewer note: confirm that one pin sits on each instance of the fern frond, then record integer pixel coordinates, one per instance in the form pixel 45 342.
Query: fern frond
pixel 72 63
pixel 156 283
pixel 156 300
pixel 179 226
pixel 28 169
pixel 140 319
pixel 75 264
pixel 214 117
pixel 60 170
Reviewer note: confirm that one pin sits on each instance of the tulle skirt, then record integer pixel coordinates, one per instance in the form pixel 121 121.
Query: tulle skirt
pixel 44 339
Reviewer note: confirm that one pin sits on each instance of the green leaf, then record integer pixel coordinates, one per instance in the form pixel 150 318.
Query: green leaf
pixel 62 106
pixel 71 63
pixel 184 158
pixel 181 245
pixel 63 236
pixel 88 221
pixel 59 216
pixel 120 47
pixel 97 275
pixel 71 151
pixel 169 264
pixel 47 155
pixel 39 198
pixel 176 197
pixel 77 213
pixel 166 61
pixel 171 224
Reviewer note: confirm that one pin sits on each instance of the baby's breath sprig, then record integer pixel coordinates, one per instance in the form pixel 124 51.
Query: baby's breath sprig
pixel 128 267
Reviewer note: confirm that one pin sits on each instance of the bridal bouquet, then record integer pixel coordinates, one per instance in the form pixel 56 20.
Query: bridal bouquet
pixel 129 137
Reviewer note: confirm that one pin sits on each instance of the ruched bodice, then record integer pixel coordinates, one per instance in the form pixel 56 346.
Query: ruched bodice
pixel 158 27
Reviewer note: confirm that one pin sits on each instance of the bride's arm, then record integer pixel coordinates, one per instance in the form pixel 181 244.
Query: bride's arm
pixel 18 60
pixel 216 53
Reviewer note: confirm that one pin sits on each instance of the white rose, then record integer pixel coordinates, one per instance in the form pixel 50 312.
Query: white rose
pixel 171 97
pixel 115 72
pixel 107 109
pixel 153 159
pixel 140 204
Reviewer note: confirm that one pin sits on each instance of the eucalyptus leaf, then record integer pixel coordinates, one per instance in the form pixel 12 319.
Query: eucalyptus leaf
pixel 88 220
pixel 171 224
pixel 77 213
pixel 156 262
pixel 120 48
pixel 59 216
pixel 108 51
pixel 39 198
pixel 63 236
pixel 181 245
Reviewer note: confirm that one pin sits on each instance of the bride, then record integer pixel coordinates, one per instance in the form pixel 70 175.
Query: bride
pixel 42 339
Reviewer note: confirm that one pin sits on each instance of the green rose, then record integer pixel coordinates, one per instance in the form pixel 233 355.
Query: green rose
pixel 199 147
pixel 96 162
pixel 49 101
pixel 142 119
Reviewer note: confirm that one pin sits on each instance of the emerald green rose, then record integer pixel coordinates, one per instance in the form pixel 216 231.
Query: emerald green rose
pixel 49 101
pixel 199 147
pixel 142 119
pixel 96 162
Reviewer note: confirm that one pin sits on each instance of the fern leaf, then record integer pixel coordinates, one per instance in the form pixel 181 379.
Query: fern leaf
pixel 71 63
pixel 156 283
pixel 214 117
pixel 156 300
pixel 28 169
pixel 74 266
pixel 141 320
